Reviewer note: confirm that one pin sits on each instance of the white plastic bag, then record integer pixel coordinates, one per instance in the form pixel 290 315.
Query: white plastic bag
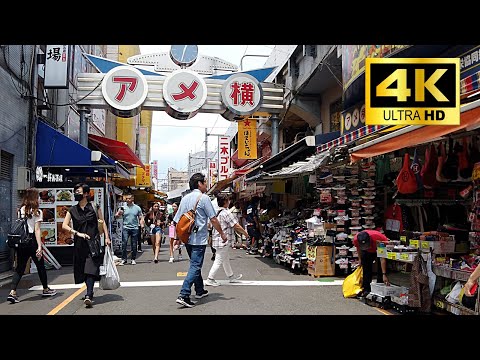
pixel 111 279
pixel 453 296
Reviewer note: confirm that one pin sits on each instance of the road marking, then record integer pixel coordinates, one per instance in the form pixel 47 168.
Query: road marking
pixel 222 282
pixel 179 274
pixel 67 300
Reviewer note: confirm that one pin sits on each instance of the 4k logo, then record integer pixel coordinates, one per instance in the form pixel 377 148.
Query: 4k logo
pixel 412 91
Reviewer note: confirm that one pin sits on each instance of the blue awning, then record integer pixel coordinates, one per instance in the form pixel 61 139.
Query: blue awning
pixel 54 149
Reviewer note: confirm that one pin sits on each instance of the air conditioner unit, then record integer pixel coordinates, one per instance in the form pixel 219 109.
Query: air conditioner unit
pixel 24 179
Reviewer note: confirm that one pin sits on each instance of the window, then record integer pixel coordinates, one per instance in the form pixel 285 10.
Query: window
pixel 335 115
pixel 6 165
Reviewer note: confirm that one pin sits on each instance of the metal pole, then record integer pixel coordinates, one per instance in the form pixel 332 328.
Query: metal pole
pixel 274 119
pixel 206 156
pixel 189 166
pixel 83 125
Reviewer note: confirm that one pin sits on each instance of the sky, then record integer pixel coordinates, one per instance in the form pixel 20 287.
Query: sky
pixel 172 140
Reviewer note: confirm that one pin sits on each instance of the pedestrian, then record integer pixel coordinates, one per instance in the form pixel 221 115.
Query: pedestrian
pixel 154 222
pixel 366 243
pixel 197 241
pixel 253 226
pixel 81 220
pixel 229 224
pixel 140 233
pixel 30 209
pixel 237 212
pixel 132 217
pixel 175 243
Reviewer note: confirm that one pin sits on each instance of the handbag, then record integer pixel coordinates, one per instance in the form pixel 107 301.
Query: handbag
pixel 95 247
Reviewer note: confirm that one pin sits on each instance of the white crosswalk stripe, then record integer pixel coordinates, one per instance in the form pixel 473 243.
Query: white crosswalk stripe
pixel 222 282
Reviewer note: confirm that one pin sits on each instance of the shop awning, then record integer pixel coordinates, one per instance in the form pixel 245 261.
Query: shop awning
pixel 411 136
pixel 54 149
pixel 302 167
pixel 348 138
pixel 237 161
pixel 249 167
pixel 117 150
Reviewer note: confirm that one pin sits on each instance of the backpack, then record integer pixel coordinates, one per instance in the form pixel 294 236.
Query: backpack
pixel 184 226
pixel 18 236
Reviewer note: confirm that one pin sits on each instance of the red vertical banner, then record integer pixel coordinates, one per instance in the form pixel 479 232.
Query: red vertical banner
pixel 223 157
pixel 212 172
pixel 155 169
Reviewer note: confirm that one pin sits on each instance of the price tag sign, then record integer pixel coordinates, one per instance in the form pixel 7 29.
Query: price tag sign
pixel 404 257
pixel 403 238
pixel 391 255
pixel 380 251
pixel 439 304
pixel 414 243
pixel 425 245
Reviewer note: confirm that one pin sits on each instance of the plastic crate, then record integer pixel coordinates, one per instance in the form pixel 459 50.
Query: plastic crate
pixel 384 290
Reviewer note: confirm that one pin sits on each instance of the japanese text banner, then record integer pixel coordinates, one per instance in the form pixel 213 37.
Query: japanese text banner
pixel 247 139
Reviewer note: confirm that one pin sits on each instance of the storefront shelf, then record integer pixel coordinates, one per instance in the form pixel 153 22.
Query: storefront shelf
pixel 452 308
pixel 450 273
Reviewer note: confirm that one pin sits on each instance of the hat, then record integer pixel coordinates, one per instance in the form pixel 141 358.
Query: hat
pixel 363 239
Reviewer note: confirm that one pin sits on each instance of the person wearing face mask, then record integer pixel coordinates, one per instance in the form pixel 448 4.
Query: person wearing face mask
pixel 81 220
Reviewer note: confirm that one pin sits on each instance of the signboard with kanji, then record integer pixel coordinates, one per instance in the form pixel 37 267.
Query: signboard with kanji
pixel 242 94
pixel 212 172
pixel 57 59
pixel 223 157
pixel 142 177
pixel 247 139
pixel 154 169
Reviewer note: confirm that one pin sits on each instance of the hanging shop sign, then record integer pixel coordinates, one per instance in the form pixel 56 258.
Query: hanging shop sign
pixel 154 169
pixel 54 204
pixel 57 61
pixel 239 184
pixel 212 172
pixel 125 89
pixel 184 92
pixel 412 91
pixel 142 177
pixel 353 118
pixel 247 139
pixel 242 95
pixel 223 157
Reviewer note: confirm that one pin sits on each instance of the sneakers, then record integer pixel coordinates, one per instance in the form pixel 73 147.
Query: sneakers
pixel 234 278
pixel 202 295
pixel 185 301
pixel 88 302
pixel 180 257
pixel 49 292
pixel 139 251
pixel 171 260
pixel 123 262
pixel 134 262
pixel 211 282
pixel 13 299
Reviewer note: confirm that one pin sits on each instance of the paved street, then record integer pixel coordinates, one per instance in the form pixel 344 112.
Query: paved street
pixel 148 288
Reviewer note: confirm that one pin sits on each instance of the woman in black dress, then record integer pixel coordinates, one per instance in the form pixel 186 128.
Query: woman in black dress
pixel 85 227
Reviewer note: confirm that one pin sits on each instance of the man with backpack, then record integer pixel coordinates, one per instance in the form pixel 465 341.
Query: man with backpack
pixel 198 239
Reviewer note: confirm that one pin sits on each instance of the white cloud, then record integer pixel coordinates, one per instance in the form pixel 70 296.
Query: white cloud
pixel 172 140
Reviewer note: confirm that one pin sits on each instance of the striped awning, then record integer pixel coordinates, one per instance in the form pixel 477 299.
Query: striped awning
pixel 348 138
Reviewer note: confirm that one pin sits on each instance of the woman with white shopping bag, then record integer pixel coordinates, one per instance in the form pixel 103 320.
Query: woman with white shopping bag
pixel 109 277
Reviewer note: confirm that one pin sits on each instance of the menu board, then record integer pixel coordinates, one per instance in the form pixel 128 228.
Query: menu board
pixel 54 204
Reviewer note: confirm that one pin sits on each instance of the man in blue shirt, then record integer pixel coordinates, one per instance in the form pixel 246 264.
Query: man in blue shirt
pixel 197 243
pixel 132 216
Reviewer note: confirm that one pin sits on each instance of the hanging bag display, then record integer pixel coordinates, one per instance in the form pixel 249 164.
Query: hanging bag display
pixel 416 168
pixel 427 173
pixel 406 181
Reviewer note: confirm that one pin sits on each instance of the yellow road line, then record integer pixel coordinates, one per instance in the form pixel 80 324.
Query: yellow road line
pixel 384 312
pixel 67 301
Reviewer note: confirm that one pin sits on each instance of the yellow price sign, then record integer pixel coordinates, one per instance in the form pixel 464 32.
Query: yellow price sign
pixel 425 245
pixel 414 243
pixel 439 304
pixel 380 251
pixel 404 256
pixel 403 238
pixel 391 255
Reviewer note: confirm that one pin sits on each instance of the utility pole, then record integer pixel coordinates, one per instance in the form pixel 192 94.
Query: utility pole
pixel 206 157
pixel 83 138
pixel 274 119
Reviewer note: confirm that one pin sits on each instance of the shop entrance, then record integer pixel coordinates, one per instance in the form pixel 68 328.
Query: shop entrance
pixel 5 223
